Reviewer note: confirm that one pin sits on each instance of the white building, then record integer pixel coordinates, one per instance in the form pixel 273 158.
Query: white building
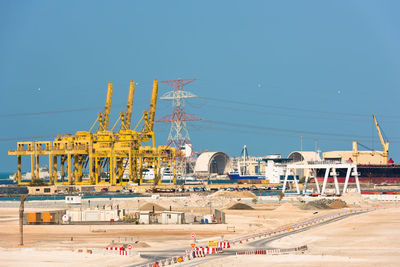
pixel 172 217
pixel 100 215
pixel 274 171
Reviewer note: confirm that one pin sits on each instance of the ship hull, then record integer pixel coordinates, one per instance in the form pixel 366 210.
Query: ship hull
pixel 246 179
pixel 372 174
pixel 374 180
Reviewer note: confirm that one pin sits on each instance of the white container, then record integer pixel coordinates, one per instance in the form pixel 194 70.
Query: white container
pixel 73 200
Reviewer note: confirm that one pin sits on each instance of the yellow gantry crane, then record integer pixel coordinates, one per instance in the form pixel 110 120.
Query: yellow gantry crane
pixel 385 146
pixel 104 156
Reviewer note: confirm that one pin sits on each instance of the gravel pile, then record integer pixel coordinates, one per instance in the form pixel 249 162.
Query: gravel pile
pixel 338 204
pixel 234 194
pixel 323 204
pixel 240 206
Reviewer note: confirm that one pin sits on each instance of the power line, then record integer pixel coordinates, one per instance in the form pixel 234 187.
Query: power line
pixel 290 108
pixel 281 129
pixel 54 111
pixel 48 112
pixel 302 132
pixel 285 115
pixel 27 138
pixel 282 135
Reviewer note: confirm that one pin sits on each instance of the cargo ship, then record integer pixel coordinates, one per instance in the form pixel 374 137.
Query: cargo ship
pixel 372 173
pixel 245 179
pixel 235 175
pixel 241 174
pixel 379 173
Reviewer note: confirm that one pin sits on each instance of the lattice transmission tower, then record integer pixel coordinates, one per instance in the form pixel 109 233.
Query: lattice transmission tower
pixel 179 135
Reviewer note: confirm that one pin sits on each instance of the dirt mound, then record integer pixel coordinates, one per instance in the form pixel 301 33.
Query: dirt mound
pixel 240 206
pixel 338 204
pixel 140 244
pixel 322 204
pixel 149 206
pixel 234 194
pixel 230 204
pixel 286 207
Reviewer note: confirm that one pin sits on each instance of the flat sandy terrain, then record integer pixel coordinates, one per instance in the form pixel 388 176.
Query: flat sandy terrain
pixel 371 239
pixel 362 240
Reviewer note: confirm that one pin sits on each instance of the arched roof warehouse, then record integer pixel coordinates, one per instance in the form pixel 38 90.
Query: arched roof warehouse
pixel 299 156
pixel 212 162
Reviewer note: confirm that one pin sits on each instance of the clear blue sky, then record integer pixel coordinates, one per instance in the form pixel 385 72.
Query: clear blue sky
pixel 317 69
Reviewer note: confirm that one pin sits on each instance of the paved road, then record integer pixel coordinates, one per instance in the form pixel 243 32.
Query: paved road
pixel 261 243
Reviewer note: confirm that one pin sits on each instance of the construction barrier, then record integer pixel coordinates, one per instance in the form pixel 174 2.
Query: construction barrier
pixel 115 248
pixel 120 251
pixel 208 250
pixel 198 254
pixel 272 251
pixel 124 253
pixel 189 255
pixel 224 244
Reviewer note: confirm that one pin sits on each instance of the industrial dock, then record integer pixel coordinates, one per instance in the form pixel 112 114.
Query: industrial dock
pixel 199 133
pixel 110 196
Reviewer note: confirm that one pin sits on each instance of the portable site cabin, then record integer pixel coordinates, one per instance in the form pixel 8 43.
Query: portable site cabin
pixel 172 217
pixel 44 217
pixel 75 200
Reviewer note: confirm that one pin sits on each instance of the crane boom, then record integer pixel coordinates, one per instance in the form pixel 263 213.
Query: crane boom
pixel 129 106
pixel 385 144
pixel 379 130
pixel 107 108
pixel 153 105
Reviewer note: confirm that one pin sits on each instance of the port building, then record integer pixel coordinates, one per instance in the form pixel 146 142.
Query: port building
pixel 212 164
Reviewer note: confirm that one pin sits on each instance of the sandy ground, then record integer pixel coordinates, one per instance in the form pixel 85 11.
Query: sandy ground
pixel 362 240
pixel 371 239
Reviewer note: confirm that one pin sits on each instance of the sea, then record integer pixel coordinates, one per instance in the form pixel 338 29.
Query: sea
pixel 4 178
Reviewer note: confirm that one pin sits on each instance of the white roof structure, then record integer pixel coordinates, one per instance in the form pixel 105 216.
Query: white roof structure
pixel 212 162
pixel 299 156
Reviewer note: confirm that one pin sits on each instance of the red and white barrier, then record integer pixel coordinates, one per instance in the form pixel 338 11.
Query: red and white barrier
pixel 272 251
pixel 195 253
pixel 115 248
pixel 208 250
pixel 119 251
pixel 224 244
pixel 198 254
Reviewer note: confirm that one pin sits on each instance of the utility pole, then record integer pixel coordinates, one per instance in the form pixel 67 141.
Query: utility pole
pixel 21 220
pixel 179 134
pixel 301 143
pixel 315 144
